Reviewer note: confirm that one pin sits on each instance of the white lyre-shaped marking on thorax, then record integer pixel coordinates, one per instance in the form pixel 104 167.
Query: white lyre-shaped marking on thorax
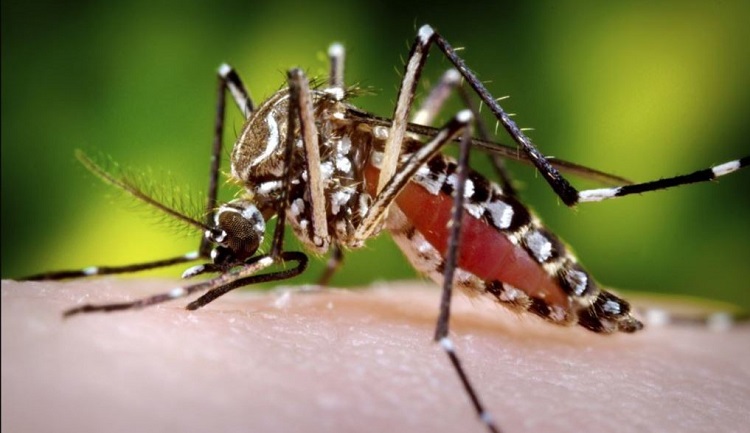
pixel 273 140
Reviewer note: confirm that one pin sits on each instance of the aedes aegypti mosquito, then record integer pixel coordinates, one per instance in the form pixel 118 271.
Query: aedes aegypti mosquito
pixel 338 176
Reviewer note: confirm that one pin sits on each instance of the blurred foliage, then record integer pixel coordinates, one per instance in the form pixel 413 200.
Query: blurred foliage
pixel 639 89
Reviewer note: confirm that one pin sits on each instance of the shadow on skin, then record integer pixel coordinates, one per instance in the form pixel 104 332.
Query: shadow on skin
pixel 356 360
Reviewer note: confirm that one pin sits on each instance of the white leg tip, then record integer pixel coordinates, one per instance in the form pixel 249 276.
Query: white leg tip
pixel 224 70
pixel 464 116
pixel 336 50
pixel 177 292
pixel 452 76
pixel 447 344
pixel 425 33
pixel 91 270
pixel 726 168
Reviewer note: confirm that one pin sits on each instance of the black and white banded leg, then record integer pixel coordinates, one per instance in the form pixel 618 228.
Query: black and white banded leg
pixel 391 182
pixel 215 287
pixel 228 80
pixel 442 328
pixel 451 80
pixel 704 175
pixel 458 125
pixel 567 193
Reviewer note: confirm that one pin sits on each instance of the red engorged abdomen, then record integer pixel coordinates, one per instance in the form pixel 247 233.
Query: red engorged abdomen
pixel 484 251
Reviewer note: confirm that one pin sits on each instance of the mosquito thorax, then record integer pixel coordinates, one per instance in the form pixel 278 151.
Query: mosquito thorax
pixel 258 152
pixel 238 232
pixel 258 160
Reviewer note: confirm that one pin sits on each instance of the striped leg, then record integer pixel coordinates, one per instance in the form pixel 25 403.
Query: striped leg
pixel 451 262
pixel 92 271
pixel 460 123
pixel 391 182
pixel 389 177
pixel 567 193
pixel 215 287
pixel 670 182
pixel 228 80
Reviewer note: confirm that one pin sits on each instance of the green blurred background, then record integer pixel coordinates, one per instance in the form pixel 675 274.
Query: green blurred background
pixel 638 89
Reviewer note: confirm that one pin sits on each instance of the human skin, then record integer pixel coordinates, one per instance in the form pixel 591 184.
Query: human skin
pixel 348 360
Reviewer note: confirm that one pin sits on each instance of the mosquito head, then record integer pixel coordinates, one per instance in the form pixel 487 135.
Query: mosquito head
pixel 238 232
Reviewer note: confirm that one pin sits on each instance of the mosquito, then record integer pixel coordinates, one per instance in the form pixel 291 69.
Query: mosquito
pixel 338 176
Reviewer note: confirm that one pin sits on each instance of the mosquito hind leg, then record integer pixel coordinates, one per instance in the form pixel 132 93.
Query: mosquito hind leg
pixel 703 175
pixel 567 193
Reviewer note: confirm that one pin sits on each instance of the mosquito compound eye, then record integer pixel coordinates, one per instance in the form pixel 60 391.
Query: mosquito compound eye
pixel 243 228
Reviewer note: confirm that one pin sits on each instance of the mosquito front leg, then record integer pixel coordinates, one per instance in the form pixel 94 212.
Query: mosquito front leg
pixel 228 80
pixel 284 257
pixel 126 184
pixel 216 286
pixel 93 271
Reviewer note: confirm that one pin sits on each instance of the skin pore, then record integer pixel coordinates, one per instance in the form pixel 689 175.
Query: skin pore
pixel 348 360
